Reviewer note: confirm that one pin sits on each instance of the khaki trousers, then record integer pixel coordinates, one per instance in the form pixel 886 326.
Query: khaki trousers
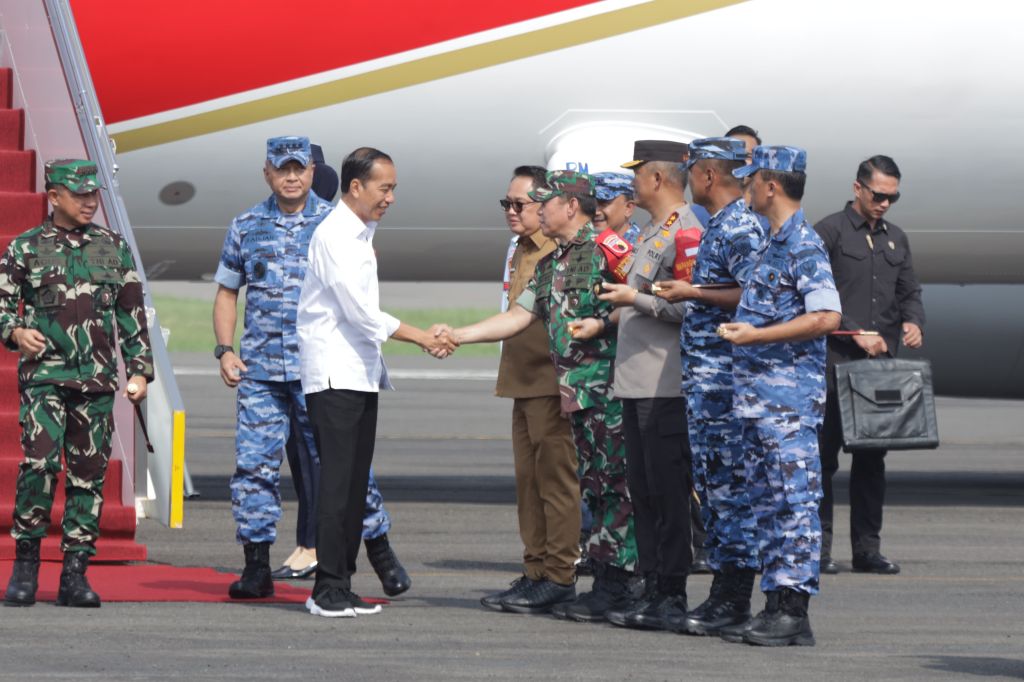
pixel 547 489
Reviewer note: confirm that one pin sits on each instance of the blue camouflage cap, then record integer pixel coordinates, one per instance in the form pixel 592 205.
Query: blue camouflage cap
pixel 607 186
pixel 724 148
pixel 281 150
pixel 776 158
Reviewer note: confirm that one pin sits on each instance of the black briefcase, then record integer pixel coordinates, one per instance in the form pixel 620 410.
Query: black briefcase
pixel 887 404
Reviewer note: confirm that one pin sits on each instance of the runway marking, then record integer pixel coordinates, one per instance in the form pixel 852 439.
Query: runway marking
pixel 401 374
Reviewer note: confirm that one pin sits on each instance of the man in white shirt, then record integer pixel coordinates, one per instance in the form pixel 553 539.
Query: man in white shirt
pixel 341 329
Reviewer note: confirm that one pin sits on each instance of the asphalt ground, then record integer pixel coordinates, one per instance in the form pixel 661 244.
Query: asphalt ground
pixel 444 465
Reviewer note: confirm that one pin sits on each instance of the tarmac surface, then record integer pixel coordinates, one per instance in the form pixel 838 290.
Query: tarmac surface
pixel 443 460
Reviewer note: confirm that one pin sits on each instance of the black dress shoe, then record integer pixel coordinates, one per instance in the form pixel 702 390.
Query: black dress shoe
pixel 873 562
pixel 540 596
pixel 519 585
pixel 286 572
pixel 829 566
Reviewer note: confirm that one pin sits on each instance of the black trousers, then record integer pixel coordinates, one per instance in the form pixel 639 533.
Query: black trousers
pixel 659 477
pixel 345 429
pixel 867 486
pixel 305 468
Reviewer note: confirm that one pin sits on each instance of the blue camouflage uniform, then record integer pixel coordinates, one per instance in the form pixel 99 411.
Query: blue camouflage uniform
pixel 726 254
pixel 607 186
pixel 265 250
pixel 780 391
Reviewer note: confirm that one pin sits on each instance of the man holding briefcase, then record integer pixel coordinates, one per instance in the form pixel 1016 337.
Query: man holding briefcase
pixel 879 292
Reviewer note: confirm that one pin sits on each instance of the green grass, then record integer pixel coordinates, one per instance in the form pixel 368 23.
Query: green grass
pixel 191 325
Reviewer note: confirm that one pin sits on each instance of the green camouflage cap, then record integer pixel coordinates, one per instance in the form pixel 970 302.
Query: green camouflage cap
pixel 559 182
pixel 77 175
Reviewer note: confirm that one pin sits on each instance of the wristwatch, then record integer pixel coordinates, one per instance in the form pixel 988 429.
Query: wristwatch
pixel 221 349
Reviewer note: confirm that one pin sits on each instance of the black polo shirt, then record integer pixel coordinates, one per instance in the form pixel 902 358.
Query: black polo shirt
pixel 875 277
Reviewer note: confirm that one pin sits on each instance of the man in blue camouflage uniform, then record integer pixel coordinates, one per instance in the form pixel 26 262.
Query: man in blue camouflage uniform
pixel 265 250
pixel 615 205
pixel 724 260
pixel 788 304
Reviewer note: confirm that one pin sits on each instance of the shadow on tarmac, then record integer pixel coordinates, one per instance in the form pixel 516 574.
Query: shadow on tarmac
pixel 978 666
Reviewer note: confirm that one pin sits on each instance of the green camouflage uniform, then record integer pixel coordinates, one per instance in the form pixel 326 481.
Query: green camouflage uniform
pixel 74 286
pixel 562 290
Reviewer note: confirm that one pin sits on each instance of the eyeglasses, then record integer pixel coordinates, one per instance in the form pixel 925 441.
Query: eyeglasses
pixel 880 197
pixel 516 206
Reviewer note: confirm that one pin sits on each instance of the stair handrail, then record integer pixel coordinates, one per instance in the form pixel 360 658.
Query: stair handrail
pixel 163 494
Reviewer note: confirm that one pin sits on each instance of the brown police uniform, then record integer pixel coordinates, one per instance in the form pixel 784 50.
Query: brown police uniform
pixel 547 486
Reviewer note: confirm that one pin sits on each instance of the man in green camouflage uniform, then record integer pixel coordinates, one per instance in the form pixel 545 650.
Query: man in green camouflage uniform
pixel 563 293
pixel 75 280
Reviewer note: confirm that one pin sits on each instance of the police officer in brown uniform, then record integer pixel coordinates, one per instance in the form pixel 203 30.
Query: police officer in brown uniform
pixel 547 487
pixel 647 380
pixel 879 292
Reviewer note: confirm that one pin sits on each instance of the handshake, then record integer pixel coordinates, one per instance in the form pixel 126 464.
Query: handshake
pixel 440 341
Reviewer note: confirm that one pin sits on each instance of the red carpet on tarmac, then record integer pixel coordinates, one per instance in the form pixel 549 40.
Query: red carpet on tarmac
pixel 157 583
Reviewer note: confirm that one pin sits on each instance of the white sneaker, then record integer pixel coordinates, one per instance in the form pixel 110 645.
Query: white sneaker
pixel 332 609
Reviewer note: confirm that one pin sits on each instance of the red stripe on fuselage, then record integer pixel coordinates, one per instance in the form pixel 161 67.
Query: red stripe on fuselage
pixel 148 57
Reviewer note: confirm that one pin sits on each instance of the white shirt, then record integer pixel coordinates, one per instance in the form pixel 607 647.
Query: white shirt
pixel 341 326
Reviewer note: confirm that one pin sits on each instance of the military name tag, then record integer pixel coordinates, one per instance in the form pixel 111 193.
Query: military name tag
pixel 94 261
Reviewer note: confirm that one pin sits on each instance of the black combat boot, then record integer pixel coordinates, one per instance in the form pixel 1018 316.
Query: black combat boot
pixel 827 564
pixel 393 577
pixel 700 563
pixel 74 588
pixel 610 591
pixel 718 583
pixel 561 611
pixel 790 624
pixel 21 590
pixel 666 604
pixel 255 582
pixel 637 603
pixel 772 610
pixel 728 604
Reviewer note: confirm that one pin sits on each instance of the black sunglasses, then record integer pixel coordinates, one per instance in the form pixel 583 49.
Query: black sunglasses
pixel 879 197
pixel 516 206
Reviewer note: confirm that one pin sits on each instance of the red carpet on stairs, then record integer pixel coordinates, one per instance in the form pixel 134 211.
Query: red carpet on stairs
pixel 21 207
pixel 157 583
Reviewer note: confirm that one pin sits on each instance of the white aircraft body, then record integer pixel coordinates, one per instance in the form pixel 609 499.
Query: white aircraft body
pixel 573 83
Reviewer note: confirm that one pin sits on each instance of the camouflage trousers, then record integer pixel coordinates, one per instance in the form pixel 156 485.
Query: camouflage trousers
pixel 784 480
pixel 719 477
pixel 56 419
pixel 267 413
pixel 601 447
